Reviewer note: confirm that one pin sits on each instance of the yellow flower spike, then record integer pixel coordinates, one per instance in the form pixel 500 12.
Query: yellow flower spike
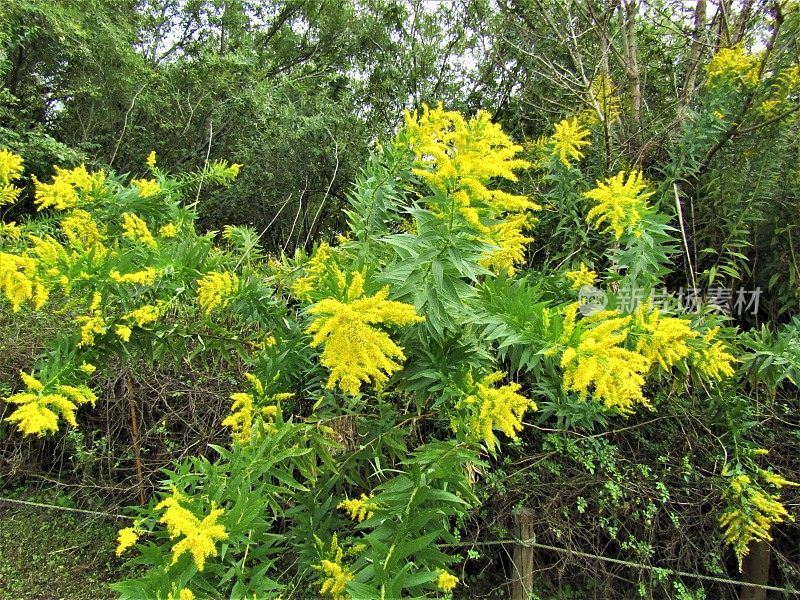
pixel 568 140
pixel 31 382
pixel 315 269
pixel 510 242
pixel 256 383
pixel 241 418
pixel 149 313
pixel 662 340
pixel 67 188
pixel 495 408
pixel 33 418
pixel 81 230
pixel 146 187
pixel 599 363
pixel 735 65
pixel 200 536
pixel 40 295
pixel 126 538
pixel 17 280
pixel 750 514
pixel 151 159
pixel 48 250
pixel 87 368
pixel 123 332
pixel 38 412
pixel 354 350
pixel 336 578
pixel 145 277
pixel 91 327
pixel 10 229
pixel 79 395
pixel 358 509
pixel 446 582
pixel 712 359
pixel 136 230
pixel 619 203
pixel 461 157
pixel 214 290
pixel 170 230
pixel 11 166
pixel 583 276
pixel 9 194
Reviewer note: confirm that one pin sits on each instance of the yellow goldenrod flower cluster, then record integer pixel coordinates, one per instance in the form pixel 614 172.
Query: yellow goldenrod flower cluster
pixel 123 332
pixel 200 536
pixel 733 65
pixel 10 230
pixel 255 408
pixel 662 340
pixel 126 538
pixel 19 283
pixel 151 159
pixel 456 154
pixel 11 166
pixel 241 418
pixel 183 594
pixel 446 582
pixel 48 250
pixel 144 277
pixel 146 187
pixel 621 203
pixel 494 408
pixel 91 326
pixel 598 361
pixel 214 290
pixel 568 139
pixel 136 230
pixel 315 269
pixel 712 358
pixel 145 315
pixel 510 242
pixel 336 575
pixel 11 169
pixel 81 230
pixel 39 409
pixel 69 188
pixel 355 351
pixel 751 512
pixel 782 93
pixel 170 230
pixel 87 368
pixel 357 508
pixel 583 276
pixel 460 157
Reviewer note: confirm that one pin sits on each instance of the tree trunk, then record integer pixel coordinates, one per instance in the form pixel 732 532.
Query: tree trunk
pixel 700 26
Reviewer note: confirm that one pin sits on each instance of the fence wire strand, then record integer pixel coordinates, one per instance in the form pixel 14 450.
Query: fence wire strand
pixel 529 543
pixel 532 543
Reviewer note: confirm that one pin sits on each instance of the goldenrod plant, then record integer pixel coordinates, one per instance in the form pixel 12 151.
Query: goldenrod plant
pixel 381 373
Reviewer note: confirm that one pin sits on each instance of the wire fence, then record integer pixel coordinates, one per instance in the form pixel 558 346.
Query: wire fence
pixel 529 543
pixel 532 543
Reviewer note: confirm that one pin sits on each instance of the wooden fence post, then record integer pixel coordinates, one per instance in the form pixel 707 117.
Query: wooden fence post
pixel 755 569
pixel 522 557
